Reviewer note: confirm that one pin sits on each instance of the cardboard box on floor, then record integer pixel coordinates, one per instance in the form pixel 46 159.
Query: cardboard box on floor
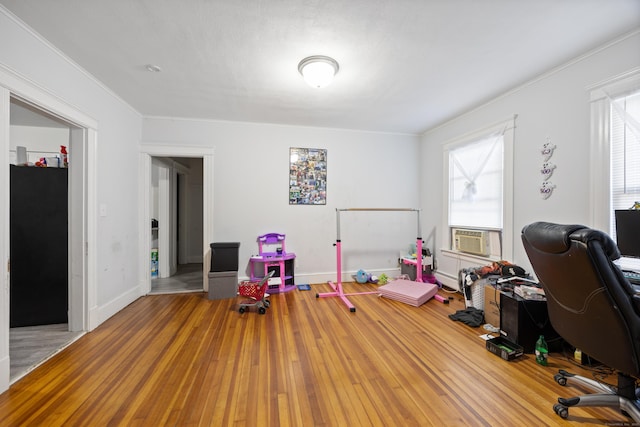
pixel 491 305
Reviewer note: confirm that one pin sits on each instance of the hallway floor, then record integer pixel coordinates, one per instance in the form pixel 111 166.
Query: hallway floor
pixel 29 346
pixel 188 278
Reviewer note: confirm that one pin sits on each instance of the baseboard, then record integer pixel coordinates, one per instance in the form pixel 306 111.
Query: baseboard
pixel 5 373
pixel 347 276
pixel 448 280
pixel 98 315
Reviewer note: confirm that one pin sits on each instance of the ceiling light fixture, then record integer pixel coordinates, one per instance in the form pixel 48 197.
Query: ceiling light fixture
pixel 318 71
pixel 153 68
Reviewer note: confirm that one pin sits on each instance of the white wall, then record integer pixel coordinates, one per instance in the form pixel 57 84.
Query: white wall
pixel 36 62
pixel 251 168
pixel 555 106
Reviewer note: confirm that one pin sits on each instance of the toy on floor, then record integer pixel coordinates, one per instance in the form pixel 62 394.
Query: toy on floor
pixel 363 277
pixel 256 291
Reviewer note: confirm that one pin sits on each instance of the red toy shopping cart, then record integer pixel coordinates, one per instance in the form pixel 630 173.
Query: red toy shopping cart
pixel 256 293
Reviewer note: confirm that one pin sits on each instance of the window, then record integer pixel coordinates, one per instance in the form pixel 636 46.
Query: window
pixel 475 183
pixel 479 179
pixel 625 152
pixel 615 148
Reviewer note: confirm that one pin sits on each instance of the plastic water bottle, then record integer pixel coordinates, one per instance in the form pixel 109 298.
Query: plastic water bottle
pixel 542 351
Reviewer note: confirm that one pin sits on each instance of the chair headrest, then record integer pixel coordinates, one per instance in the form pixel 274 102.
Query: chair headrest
pixel 556 238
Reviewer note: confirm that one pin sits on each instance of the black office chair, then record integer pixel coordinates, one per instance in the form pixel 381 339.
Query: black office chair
pixel 592 306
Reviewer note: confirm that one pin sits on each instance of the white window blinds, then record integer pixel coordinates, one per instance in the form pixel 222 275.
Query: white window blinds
pixel 625 151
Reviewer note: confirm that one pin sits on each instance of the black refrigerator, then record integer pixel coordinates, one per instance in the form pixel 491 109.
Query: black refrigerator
pixel 38 246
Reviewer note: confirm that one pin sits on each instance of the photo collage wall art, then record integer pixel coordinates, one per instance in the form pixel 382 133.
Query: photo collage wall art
pixel 307 176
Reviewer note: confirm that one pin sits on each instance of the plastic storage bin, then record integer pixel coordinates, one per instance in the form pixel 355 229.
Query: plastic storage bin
pixel 223 285
pixel 410 269
pixel 224 256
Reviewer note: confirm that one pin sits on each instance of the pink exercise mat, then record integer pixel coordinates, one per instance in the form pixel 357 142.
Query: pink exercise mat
pixel 409 292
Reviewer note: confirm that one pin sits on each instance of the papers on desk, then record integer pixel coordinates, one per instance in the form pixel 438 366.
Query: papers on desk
pixel 629 264
pixel 530 293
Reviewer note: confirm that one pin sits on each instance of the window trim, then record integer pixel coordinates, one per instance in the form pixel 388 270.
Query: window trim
pixel 508 126
pixel 600 162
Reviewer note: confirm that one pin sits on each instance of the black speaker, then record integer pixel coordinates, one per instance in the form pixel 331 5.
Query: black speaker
pixel 523 321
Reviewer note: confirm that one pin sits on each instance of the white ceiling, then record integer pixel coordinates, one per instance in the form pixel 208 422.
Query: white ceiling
pixel 405 65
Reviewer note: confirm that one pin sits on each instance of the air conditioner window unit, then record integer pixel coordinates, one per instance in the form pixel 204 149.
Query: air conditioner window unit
pixel 474 242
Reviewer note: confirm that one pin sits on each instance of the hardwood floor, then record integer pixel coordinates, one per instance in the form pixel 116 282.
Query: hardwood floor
pixel 183 360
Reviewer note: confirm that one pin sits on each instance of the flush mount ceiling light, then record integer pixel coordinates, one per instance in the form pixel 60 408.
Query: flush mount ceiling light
pixel 318 71
pixel 153 68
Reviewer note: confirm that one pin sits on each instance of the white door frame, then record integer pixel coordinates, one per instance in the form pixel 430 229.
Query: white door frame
pixel 83 276
pixel 173 149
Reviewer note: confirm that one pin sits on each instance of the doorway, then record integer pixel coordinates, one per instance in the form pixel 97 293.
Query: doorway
pixel 176 208
pixel 47 310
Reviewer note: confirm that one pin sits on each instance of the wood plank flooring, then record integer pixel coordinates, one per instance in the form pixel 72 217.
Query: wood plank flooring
pixel 183 360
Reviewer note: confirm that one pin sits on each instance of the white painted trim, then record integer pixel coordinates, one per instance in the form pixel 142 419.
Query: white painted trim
pixel 144 196
pixel 65 58
pixel 207 215
pixel 543 76
pixel 150 149
pixel 31 92
pixel 347 276
pixel 600 148
pixel 174 149
pixel 615 86
pixel 104 312
pixel 508 234
pixel 164 221
pixel 5 369
pixel 77 230
pixel 14 84
pixel 448 280
pixel 600 161
pixel 92 228
pixel 506 124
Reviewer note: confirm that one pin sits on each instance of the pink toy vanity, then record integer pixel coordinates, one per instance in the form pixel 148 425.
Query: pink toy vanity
pixel 272 254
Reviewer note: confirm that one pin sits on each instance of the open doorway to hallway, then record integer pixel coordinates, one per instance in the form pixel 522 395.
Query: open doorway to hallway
pixel 47 309
pixel 176 198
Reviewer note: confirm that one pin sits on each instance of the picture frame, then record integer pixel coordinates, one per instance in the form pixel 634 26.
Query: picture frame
pixel 307 176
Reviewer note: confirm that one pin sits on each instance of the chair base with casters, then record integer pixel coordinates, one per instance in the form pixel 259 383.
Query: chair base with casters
pixel 623 397
pixel 592 306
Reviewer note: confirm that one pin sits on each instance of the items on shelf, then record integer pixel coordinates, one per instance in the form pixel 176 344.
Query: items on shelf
pixel 60 160
pixel 154 263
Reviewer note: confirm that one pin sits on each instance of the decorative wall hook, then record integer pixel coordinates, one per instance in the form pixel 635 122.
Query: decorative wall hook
pixel 547 150
pixel 547 170
pixel 546 189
